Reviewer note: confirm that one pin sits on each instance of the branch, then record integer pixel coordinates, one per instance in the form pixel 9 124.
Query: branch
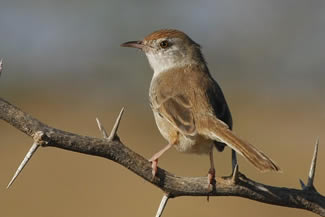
pixel 173 186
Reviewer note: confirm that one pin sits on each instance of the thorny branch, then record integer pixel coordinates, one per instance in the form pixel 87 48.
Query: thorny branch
pixel 173 186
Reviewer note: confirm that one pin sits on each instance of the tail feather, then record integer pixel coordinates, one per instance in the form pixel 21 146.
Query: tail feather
pixel 219 131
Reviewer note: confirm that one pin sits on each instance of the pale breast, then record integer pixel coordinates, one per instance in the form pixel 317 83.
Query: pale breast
pixel 173 112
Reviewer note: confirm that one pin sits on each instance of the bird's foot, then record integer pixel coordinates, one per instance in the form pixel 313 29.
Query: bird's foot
pixel 211 178
pixel 154 159
pixel 154 166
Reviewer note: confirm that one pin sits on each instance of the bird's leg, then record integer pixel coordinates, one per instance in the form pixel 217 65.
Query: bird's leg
pixel 212 171
pixel 154 158
pixel 233 160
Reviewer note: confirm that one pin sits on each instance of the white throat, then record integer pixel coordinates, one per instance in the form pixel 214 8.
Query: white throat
pixel 160 62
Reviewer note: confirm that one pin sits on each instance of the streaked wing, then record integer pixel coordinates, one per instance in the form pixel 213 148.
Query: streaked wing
pixel 177 110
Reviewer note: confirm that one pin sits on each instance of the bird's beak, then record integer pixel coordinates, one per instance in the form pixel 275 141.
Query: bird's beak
pixel 134 44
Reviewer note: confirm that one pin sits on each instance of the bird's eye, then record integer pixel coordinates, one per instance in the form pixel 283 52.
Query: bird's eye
pixel 164 44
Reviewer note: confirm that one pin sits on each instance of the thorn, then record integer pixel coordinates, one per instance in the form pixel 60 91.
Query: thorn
pixel 116 125
pixel 162 205
pixel 102 129
pixel 24 162
pixel 235 175
pixel 302 184
pixel 312 170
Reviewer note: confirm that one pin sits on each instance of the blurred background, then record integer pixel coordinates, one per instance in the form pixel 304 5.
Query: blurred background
pixel 63 64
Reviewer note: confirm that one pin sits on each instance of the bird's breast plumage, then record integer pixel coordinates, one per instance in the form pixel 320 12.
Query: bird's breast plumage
pixel 174 100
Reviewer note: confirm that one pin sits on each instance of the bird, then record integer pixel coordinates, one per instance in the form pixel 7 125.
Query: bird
pixel 188 105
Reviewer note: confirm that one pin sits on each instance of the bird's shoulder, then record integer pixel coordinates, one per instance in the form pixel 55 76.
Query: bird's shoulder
pixel 177 82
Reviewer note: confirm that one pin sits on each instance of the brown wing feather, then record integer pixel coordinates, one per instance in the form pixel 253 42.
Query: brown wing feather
pixel 177 110
pixel 217 130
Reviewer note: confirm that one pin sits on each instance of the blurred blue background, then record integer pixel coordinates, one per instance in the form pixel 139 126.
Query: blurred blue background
pixel 276 46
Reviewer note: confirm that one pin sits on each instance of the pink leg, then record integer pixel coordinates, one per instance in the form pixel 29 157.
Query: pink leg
pixel 212 172
pixel 154 158
pixel 154 167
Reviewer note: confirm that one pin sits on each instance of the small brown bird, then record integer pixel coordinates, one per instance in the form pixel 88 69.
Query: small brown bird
pixel 188 105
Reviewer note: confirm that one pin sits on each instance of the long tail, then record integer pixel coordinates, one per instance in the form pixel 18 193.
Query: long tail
pixel 219 131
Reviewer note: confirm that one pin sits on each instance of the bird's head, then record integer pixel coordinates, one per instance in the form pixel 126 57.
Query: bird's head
pixel 167 49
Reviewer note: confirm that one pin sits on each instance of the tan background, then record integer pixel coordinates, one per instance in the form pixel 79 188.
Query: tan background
pixel 63 65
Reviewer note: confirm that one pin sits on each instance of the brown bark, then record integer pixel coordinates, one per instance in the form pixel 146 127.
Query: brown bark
pixel 113 149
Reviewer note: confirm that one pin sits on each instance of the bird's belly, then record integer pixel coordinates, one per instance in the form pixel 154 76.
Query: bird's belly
pixel 185 143
pixel 165 128
pixel 194 144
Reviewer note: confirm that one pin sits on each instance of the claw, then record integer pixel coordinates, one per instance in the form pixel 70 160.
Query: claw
pixel 211 178
pixel 154 158
pixel 154 166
